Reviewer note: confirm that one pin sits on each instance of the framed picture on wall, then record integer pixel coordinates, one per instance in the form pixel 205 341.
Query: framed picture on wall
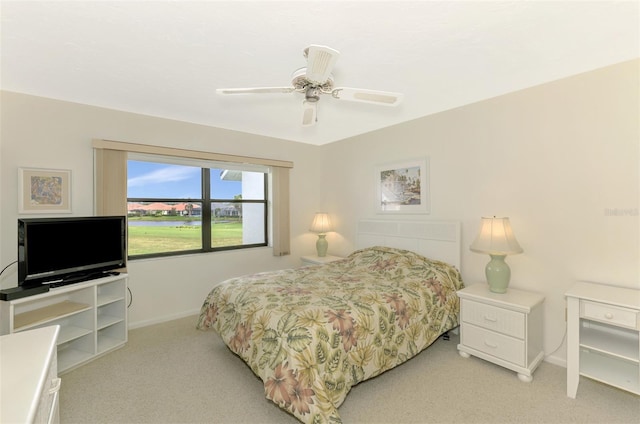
pixel 44 190
pixel 403 187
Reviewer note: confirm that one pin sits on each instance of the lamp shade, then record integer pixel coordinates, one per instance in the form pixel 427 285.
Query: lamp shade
pixel 321 223
pixel 496 238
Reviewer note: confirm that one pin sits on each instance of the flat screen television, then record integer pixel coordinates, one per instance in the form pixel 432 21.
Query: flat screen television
pixel 59 251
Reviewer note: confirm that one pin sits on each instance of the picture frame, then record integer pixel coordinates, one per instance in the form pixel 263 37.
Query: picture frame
pixel 44 190
pixel 403 187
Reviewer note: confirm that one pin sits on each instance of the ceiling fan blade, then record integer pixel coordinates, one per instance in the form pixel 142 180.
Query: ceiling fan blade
pixel 320 61
pixel 258 90
pixel 385 98
pixel 309 113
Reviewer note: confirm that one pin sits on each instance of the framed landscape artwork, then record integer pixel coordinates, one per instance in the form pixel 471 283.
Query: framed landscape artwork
pixel 403 187
pixel 44 190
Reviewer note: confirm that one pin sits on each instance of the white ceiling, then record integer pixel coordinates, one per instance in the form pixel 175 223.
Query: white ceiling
pixel 166 58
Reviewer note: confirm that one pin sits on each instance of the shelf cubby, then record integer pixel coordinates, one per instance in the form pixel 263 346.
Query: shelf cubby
pixel 603 336
pixel 92 316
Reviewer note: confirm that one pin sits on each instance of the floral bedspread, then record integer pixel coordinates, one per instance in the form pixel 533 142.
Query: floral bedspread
pixel 314 332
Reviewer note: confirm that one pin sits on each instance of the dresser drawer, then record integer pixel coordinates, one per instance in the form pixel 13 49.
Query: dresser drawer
pixel 507 322
pixel 610 314
pixel 498 345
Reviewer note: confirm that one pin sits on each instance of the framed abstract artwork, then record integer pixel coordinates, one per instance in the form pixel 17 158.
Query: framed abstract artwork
pixel 44 190
pixel 403 187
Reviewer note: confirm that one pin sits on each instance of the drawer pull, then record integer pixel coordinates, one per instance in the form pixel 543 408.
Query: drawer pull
pixel 490 319
pixel 608 315
pixel 491 345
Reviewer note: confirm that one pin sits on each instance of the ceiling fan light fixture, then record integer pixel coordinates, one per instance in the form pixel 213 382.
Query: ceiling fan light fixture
pixel 312 94
pixel 320 62
pixel 301 83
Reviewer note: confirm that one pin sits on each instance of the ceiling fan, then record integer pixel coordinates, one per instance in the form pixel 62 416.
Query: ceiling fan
pixel 315 79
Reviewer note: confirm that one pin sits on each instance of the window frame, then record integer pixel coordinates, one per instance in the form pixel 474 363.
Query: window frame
pixel 110 182
pixel 206 236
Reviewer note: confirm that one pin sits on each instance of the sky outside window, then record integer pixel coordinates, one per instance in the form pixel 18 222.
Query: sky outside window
pixel 161 180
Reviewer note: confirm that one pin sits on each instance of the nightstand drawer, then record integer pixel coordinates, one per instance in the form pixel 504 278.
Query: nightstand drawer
pixel 498 345
pixel 610 314
pixel 493 318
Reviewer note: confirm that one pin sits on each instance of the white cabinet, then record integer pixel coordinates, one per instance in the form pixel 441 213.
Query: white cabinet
pixel 92 316
pixel 603 336
pixel 503 328
pixel 29 383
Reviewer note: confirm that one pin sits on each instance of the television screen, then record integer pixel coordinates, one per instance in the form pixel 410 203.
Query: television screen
pixel 57 250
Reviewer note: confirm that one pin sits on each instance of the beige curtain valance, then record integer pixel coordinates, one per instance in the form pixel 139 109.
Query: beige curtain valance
pixel 184 153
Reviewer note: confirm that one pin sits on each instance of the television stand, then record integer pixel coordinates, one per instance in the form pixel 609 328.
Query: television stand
pixel 92 316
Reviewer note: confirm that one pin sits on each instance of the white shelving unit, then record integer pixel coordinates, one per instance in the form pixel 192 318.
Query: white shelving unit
pixel 603 336
pixel 92 316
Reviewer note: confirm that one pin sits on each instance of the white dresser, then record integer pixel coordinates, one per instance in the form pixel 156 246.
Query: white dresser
pixel 603 336
pixel 503 328
pixel 29 383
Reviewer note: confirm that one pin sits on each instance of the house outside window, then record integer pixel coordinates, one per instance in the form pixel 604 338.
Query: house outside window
pixel 181 207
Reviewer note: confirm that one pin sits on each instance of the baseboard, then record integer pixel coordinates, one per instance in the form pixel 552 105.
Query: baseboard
pixel 561 362
pixel 160 320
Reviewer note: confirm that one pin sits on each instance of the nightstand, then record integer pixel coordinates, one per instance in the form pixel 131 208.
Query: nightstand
pixel 317 260
pixel 505 329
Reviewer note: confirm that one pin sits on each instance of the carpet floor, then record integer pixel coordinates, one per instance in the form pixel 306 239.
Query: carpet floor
pixel 173 373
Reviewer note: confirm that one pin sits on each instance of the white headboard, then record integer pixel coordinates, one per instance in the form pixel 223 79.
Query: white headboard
pixel 438 240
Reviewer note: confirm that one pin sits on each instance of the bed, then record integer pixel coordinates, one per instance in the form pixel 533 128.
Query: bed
pixel 312 333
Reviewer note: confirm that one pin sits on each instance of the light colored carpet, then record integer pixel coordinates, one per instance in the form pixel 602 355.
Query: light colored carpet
pixel 173 373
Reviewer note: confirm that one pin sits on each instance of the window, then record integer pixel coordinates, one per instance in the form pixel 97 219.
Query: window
pixel 110 173
pixel 178 206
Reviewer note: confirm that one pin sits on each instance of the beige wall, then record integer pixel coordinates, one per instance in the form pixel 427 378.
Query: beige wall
pixel 43 133
pixel 556 159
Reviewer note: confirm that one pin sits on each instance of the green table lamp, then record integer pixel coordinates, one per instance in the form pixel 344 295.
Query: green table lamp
pixel 321 225
pixel 496 238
